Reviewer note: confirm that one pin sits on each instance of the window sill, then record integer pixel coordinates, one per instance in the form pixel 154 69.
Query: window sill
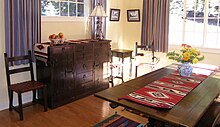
pixel 63 19
pixel 205 50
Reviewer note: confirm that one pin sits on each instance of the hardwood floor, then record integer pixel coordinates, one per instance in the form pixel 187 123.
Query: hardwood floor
pixel 84 113
pixel 81 113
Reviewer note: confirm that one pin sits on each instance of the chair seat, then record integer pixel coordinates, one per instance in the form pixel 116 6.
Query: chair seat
pixel 211 117
pixel 140 63
pixel 26 86
pixel 115 65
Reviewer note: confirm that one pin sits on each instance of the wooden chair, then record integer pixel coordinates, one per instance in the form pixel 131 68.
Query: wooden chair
pixel 115 66
pixel 154 60
pixel 22 87
pixel 211 118
pixel 120 75
pixel 216 122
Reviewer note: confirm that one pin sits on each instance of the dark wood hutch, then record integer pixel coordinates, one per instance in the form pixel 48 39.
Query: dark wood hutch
pixel 73 70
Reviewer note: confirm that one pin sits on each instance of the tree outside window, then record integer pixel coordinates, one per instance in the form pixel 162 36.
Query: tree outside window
pixel 195 22
pixel 62 8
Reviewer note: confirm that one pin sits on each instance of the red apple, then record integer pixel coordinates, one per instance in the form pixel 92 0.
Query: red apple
pixel 61 35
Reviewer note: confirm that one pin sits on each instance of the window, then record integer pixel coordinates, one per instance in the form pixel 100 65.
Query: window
pixel 67 8
pixel 195 22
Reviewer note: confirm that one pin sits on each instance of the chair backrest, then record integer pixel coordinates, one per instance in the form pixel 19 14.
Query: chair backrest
pixel 216 122
pixel 10 60
pixel 145 47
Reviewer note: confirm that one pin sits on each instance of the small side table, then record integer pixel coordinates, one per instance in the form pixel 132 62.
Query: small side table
pixel 121 54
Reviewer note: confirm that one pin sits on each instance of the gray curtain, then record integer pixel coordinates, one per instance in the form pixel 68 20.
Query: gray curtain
pixel 155 24
pixel 94 20
pixel 22 25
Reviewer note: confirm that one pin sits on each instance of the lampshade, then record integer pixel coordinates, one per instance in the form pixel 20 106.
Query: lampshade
pixel 98 11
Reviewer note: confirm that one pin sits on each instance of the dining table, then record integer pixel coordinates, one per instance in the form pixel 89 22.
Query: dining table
pixel 186 113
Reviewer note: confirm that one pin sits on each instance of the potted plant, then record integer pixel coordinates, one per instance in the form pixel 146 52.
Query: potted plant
pixel 187 55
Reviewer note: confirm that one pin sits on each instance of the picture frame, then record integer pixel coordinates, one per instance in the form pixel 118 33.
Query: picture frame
pixel 114 14
pixel 133 15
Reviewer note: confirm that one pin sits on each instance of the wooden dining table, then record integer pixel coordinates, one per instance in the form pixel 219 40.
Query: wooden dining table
pixel 184 114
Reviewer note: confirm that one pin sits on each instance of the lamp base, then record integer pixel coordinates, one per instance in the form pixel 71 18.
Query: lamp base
pixel 99 34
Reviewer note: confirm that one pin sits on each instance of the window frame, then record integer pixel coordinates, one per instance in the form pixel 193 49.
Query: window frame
pixel 87 10
pixel 204 48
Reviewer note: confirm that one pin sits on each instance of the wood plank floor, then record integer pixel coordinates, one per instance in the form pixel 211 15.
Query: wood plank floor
pixel 84 113
pixel 81 113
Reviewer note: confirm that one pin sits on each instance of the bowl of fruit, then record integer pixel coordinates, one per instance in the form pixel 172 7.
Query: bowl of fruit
pixel 57 38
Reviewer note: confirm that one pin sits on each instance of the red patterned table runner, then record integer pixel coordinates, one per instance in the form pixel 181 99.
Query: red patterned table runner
pixel 169 90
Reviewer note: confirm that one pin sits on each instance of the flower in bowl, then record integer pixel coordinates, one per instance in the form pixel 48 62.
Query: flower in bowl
pixel 186 54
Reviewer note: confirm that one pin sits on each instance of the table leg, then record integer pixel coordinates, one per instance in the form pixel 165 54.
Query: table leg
pixel 136 69
pixel 155 123
pixel 130 72
pixel 122 69
pixel 113 105
pixel 119 68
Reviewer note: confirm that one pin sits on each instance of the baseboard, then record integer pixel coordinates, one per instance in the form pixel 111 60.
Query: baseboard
pixel 26 97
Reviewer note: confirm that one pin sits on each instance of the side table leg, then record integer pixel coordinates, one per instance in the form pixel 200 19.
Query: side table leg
pixel 130 72
pixel 155 123
pixel 119 68
pixel 122 69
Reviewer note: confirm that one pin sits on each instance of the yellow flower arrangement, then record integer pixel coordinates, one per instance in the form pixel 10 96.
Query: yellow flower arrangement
pixel 187 54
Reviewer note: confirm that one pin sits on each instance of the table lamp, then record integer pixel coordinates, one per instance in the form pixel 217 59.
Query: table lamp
pixel 99 13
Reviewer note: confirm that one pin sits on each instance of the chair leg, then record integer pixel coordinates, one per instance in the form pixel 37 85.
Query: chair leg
pixel 216 122
pixel 45 98
pixel 130 70
pixel 122 79
pixel 122 74
pixel 119 68
pixel 111 77
pixel 34 96
pixel 111 80
pixel 20 106
pixel 136 69
pixel 10 100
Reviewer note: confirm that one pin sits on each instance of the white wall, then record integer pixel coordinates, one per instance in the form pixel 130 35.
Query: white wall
pixel 123 35
pixel 3 88
pixel 16 78
pixel 116 27
pixel 70 29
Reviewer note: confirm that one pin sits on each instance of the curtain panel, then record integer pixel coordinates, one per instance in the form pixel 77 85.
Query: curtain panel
pixel 94 19
pixel 155 24
pixel 22 25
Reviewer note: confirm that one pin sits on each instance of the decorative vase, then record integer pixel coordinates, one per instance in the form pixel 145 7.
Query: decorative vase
pixel 185 69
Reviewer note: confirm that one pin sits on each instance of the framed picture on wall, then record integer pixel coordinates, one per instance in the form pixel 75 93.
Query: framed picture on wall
pixel 133 15
pixel 114 14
